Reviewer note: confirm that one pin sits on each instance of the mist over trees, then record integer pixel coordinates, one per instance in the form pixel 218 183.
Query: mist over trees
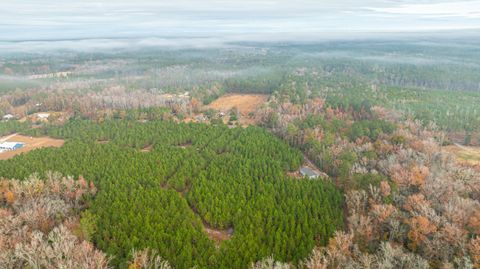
pixel 423 79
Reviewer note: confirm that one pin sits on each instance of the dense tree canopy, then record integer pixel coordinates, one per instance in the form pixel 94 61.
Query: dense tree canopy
pixel 160 182
pixel 10 127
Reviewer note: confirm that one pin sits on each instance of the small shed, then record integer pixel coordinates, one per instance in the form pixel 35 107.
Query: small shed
pixel 309 172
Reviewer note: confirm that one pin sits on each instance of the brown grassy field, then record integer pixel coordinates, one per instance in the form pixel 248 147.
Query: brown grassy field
pixel 464 154
pixel 31 143
pixel 245 103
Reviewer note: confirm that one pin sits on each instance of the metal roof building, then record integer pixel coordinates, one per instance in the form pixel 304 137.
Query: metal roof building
pixel 10 145
pixel 309 172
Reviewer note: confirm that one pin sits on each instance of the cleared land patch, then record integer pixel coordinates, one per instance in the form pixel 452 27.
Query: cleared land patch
pixel 309 165
pixel 147 148
pixel 245 103
pixel 218 236
pixel 464 154
pixel 30 143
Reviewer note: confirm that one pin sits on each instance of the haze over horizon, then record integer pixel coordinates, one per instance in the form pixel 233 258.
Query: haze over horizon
pixel 27 20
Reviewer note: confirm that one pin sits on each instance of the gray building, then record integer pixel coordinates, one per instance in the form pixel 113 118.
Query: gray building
pixel 309 172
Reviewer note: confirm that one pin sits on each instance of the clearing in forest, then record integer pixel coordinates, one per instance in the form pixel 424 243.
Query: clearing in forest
pixel 464 154
pixel 245 103
pixel 30 143
pixel 217 235
pixel 147 148
pixel 307 163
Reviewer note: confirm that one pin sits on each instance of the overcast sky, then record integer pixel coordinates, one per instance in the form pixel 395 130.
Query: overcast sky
pixel 66 19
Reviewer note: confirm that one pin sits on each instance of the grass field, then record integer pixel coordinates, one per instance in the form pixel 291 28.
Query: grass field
pixel 464 154
pixel 245 103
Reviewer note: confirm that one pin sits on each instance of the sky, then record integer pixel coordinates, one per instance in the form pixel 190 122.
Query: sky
pixel 40 20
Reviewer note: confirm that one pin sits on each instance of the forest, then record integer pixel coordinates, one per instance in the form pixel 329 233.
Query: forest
pixel 420 79
pixel 150 175
pixel 194 175
pixel 410 203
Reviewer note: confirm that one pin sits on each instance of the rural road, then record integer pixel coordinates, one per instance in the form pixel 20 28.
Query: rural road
pixel 5 138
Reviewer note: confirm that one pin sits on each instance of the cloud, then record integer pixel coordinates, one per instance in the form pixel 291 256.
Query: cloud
pixel 460 9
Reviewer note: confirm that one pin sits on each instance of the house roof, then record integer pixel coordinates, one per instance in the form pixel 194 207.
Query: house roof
pixel 307 171
pixel 43 115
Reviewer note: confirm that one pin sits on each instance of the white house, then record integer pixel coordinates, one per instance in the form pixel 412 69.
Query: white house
pixel 43 115
pixel 8 117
